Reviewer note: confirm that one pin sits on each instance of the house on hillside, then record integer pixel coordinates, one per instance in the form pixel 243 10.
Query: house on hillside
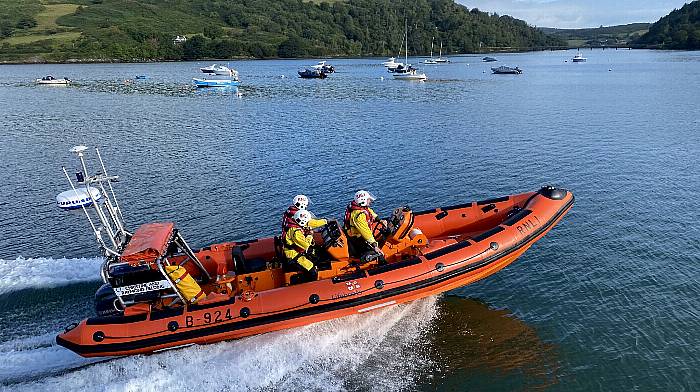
pixel 179 39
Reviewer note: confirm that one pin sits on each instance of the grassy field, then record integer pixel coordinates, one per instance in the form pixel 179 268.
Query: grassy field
pixel 27 39
pixel 610 35
pixel 46 19
pixel 576 42
pixel 47 28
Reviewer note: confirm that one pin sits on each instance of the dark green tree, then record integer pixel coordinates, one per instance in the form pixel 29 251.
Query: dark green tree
pixel 293 46
pixel 26 23
pixel 677 30
pixel 194 48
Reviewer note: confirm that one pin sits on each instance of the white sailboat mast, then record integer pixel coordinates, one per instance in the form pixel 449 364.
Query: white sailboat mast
pixel 405 33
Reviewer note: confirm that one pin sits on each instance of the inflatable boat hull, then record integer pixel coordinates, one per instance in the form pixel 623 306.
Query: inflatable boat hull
pixel 450 260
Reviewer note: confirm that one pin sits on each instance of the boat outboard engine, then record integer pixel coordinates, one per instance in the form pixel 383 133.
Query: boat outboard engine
pixel 106 302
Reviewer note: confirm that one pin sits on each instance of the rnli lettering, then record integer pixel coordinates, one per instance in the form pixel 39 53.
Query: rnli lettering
pixel 209 317
pixel 352 285
pixel 528 225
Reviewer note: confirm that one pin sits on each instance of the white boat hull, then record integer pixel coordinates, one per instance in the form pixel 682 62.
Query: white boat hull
pixel 391 63
pixel 55 82
pixel 411 76
pixel 215 82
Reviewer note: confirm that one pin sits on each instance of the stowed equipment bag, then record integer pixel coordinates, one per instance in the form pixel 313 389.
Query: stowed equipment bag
pixel 185 283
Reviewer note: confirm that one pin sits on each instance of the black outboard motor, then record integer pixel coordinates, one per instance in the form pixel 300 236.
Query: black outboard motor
pixel 106 302
pixel 124 276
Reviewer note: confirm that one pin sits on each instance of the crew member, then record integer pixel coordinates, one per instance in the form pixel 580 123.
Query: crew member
pixel 297 240
pixel 358 223
pixel 300 202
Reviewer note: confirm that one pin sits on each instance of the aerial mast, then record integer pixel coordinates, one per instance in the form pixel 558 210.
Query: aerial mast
pixel 106 219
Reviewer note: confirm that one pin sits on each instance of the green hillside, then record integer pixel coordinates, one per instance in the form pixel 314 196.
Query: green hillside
pixel 600 36
pixel 136 30
pixel 678 30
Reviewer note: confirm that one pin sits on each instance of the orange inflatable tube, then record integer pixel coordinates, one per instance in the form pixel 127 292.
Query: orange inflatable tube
pixel 250 292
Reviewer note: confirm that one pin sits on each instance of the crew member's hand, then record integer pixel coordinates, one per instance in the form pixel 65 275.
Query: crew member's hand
pixel 384 223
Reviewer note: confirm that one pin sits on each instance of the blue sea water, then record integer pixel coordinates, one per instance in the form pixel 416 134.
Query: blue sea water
pixel 608 300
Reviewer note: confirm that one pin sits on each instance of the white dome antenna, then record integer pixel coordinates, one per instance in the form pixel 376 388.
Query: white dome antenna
pixel 78 150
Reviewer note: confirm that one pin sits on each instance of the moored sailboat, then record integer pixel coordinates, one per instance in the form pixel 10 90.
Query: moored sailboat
pixel 407 71
pixel 431 60
pixel 440 59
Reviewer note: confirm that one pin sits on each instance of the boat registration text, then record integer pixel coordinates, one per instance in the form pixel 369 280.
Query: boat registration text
pixel 142 287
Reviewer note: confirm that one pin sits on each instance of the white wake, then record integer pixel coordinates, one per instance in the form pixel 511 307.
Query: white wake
pixel 374 351
pixel 24 273
pixel 36 356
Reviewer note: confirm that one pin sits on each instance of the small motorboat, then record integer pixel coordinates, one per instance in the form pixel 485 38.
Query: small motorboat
pixel 216 69
pixel 215 82
pixel 391 63
pixel 579 58
pixel 50 80
pixel 503 70
pixel 312 73
pixel 394 67
pixel 141 77
pixel 225 71
pixel 220 76
pixel 160 294
pixel 209 69
pixel 409 73
pixel 323 67
pixel 488 59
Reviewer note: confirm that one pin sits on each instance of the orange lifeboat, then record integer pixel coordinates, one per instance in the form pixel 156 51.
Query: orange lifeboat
pixel 236 289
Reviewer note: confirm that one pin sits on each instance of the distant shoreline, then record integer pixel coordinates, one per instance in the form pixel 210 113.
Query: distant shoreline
pixel 147 61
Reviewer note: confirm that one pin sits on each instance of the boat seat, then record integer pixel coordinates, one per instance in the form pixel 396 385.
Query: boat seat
pixel 246 266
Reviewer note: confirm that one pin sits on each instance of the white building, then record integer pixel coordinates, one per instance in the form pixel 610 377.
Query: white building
pixel 179 39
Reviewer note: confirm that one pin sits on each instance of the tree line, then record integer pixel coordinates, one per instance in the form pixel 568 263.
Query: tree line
pixel 680 29
pixel 144 29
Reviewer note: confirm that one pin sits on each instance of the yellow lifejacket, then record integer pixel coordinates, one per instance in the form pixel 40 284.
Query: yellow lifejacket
pixel 185 283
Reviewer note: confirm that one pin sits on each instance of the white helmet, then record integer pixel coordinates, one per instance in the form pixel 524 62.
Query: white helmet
pixel 301 202
pixel 302 217
pixel 363 198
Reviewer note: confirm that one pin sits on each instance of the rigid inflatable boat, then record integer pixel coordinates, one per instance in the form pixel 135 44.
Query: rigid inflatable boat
pixel 160 294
